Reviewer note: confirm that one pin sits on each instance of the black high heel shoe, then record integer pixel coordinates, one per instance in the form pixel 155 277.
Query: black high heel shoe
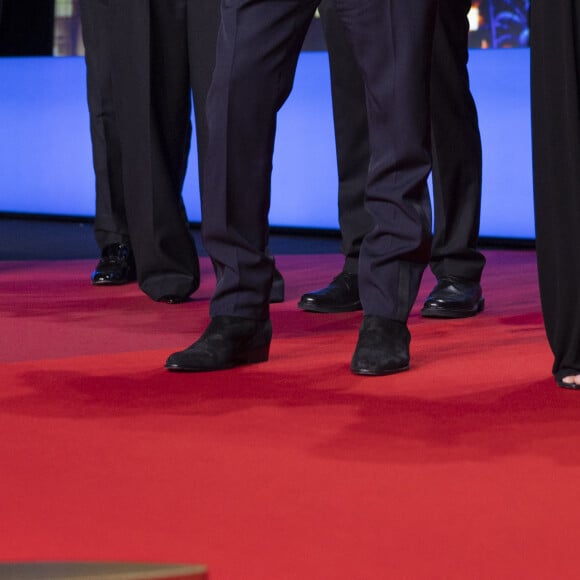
pixel 564 373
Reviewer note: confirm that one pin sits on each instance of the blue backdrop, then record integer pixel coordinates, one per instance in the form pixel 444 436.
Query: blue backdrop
pixel 45 153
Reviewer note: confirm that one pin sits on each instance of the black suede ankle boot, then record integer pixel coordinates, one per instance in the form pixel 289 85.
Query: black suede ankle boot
pixel 227 342
pixel 382 347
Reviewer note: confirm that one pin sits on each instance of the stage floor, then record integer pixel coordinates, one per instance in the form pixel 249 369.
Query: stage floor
pixel 54 239
pixel 467 466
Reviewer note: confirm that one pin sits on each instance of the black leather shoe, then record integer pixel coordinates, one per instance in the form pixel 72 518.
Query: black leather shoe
pixel 382 347
pixel 278 288
pixel 341 295
pixel 116 266
pixel 227 342
pixel 454 298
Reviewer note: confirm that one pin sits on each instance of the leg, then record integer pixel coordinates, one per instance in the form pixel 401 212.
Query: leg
pixel 111 232
pixel 456 149
pixel 352 156
pixel 455 260
pixel 152 91
pixel 351 135
pixel 203 17
pixel 203 23
pixel 249 86
pixel 258 47
pixel 556 156
pixel 392 43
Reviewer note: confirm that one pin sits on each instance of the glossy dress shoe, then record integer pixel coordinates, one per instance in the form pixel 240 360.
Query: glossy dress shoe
pixel 278 288
pixel 227 342
pixel 454 298
pixel 341 295
pixel 382 347
pixel 116 266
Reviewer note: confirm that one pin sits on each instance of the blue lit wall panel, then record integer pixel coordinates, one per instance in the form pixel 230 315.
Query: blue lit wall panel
pixel 501 85
pixel 45 156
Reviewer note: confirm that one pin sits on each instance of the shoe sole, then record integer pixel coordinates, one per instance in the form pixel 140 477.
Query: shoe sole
pixel 450 313
pixel 372 373
pixel 570 386
pixel 111 283
pixel 329 309
pixel 249 358
pixel 172 299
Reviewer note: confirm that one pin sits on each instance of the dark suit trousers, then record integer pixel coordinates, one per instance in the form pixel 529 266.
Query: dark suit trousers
pixel 555 56
pixel 455 140
pixel 258 46
pixel 160 50
pixel 110 219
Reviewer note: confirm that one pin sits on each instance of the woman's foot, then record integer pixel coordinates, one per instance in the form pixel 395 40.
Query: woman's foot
pixel 568 379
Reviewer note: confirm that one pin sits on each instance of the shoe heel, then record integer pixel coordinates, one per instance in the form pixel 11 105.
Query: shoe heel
pixel 257 355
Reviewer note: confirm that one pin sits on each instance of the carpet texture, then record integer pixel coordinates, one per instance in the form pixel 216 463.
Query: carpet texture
pixel 467 466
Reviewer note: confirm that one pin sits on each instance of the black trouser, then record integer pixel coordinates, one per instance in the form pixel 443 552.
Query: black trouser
pixel 161 50
pixel 258 47
pixel 555 54
pixel 456 144
pixel 110 218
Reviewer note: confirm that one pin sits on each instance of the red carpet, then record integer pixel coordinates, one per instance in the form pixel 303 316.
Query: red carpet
pixel 468 466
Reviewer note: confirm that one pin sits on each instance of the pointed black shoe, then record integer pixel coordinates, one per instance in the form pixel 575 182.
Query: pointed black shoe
pixel 278 288
pixel 116 266
pixel 454 298
pixel 382 347
pixel 227 342
pixel 341 295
